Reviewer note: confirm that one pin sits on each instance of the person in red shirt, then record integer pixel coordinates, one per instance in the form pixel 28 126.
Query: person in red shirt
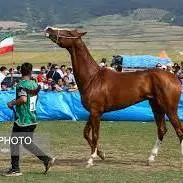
pixel 41 78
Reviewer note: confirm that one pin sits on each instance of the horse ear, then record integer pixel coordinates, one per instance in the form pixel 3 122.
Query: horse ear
pixel 82 33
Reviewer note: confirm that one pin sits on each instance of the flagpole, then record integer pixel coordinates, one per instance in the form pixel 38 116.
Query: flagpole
pixel 12 61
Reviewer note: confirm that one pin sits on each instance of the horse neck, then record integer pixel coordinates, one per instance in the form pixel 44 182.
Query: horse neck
pixel 84 66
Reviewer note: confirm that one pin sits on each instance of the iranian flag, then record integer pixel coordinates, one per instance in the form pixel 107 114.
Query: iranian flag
pixel 6 44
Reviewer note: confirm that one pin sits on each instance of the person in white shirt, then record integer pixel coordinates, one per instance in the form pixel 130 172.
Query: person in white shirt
pixel 70 75
pixel 62 71
pixel 3 73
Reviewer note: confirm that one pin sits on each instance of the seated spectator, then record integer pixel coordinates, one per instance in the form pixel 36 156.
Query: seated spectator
pixel 72 87
pixel 69 86
pixel 53 74
pixel 50 86
pixel 41 78
pixel 70 75
pixel 60 85
pixel 4 87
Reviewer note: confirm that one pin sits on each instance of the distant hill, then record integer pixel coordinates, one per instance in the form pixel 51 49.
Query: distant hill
pixel 41 13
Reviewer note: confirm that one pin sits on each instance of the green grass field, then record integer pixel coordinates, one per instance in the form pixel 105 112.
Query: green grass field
pixel 126 144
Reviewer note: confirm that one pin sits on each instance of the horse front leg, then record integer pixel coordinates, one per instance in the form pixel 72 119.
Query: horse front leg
pixel 95 126
pixel 86 133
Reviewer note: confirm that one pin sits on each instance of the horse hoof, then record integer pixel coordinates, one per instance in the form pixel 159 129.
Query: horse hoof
pixel 101 155
pixel 89 165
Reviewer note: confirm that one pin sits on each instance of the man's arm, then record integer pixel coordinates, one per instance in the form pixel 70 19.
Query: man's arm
pixel 22 98
pixel 19 101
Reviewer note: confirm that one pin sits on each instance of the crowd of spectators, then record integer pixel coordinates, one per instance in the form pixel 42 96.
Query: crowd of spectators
pixel 61 78
pixel 55 78
pixel 172 68
pixel 50 78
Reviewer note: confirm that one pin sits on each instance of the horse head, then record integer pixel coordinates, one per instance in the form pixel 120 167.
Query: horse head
pixel 65 38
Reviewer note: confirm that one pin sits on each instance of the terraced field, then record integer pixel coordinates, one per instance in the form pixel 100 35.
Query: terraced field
pixel 106 36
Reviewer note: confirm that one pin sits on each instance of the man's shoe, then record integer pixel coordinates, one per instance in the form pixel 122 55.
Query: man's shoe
pixel 12 173
pixel 49 164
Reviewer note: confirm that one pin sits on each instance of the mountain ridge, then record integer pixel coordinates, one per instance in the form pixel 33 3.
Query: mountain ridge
pixel 43 12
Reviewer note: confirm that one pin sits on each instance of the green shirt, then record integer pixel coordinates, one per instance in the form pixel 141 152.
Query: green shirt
pixel 26 113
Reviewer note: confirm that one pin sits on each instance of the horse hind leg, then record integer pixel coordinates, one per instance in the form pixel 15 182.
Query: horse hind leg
pixel 159 116
pixel 174 119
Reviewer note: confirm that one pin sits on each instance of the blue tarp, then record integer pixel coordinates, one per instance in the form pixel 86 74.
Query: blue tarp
pixel 67 106
pixel 142 61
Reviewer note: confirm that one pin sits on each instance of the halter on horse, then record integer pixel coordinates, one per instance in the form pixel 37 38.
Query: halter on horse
pixel 105 90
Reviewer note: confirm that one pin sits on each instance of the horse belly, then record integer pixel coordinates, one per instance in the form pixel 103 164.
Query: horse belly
pixel 123 99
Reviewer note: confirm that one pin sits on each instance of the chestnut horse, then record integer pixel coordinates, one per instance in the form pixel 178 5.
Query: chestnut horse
pixel 104 90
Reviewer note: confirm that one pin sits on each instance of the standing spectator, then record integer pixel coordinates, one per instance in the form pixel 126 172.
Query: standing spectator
pixel 48 66
pixel 3 73
pixel 58 70
pixel 53 74
pixel 70 75
pixel 41 78
pixel 103 62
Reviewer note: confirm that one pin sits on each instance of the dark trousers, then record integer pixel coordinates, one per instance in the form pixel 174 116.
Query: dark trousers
pixel 25 132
